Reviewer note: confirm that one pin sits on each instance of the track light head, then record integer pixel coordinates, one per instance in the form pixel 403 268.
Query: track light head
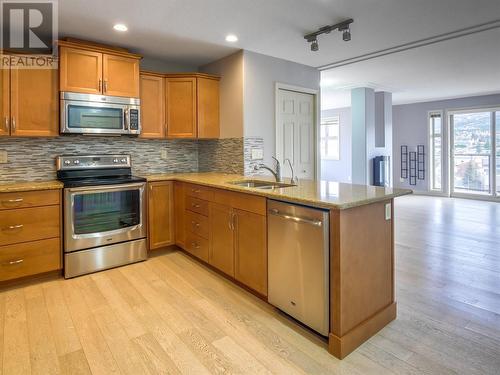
pixel 346 35
pixel 314 45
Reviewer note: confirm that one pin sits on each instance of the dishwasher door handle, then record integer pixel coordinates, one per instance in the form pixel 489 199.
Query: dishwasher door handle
pixel 297 219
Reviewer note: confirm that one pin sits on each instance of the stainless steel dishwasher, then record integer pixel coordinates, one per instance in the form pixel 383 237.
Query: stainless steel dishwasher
pixel 298 269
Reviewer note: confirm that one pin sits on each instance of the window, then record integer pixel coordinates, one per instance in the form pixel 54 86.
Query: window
pixel 330 139
pixel 436 150
pixel 475 155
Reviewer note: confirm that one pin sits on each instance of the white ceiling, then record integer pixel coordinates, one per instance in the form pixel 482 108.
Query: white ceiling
pixel 192 32
pixel 455 68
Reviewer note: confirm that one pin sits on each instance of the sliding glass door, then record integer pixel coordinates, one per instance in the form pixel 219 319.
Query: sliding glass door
pixel 475 153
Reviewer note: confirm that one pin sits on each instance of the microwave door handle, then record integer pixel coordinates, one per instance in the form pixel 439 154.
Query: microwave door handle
pixel 126 119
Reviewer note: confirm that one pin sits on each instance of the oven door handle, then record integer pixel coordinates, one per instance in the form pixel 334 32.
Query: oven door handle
pixel 93 189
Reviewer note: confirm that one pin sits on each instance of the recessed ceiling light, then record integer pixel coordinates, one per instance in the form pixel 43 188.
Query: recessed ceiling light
pixel 120 27
pixel 231 38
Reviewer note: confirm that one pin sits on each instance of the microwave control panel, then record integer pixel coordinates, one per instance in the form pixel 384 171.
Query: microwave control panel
pixel 134 119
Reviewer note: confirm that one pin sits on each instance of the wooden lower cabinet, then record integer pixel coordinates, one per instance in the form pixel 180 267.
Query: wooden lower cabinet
pixel 250 250
pixel 197 246
pixel 29 258
pixel 221 254
pixel 180 212
pixel 161 214
pixel 30 233
pixel 29 224
pixel 225 229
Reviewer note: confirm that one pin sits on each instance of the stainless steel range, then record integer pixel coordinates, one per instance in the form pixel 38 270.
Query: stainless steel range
pixel 104 213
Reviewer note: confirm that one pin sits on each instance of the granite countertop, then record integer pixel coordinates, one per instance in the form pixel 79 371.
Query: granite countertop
pixel 30 186
pixel 325 194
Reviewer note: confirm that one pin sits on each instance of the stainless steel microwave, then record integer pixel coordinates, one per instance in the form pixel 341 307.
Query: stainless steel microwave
pixel 99 114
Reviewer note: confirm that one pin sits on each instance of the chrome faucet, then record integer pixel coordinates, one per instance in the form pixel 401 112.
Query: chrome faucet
pixel 276 172
pixel 294 179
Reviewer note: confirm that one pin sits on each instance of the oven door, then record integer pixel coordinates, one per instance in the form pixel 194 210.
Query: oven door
pixel 103 215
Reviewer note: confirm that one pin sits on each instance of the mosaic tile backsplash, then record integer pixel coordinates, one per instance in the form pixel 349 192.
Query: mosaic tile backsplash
pixel 249 144
pixel 221 155
pixel 33 159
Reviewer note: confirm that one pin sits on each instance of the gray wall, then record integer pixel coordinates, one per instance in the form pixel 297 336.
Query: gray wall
pixel 410 128
pixel 230 69
pixel 339 170
pixel 161 66
pixel 261 73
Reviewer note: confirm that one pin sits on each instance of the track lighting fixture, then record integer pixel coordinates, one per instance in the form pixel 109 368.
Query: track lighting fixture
pixel 314 45
pixel 343 27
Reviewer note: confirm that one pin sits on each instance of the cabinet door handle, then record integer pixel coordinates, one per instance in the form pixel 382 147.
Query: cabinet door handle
pixel 195 224
pixel 100 85
pixel 195 205
pixel 195 245
pixel 17 200
pixel 13 262
pixel 233 219
pixel 196 191
pixel 13 124
pixel 105 85
pixel 6 124
pixel 13 227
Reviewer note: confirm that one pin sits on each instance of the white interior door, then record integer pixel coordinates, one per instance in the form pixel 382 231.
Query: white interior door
pixel 295 132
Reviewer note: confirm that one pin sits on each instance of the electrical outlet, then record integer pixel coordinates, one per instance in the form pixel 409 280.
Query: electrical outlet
pixel 257 154
pixel 164 154
pixel 3 157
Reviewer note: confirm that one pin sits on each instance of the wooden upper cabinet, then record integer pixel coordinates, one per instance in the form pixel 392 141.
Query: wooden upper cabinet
pixel 208 108
pixel 152 106
pixel 180 94
pixel 221 248
pixel 80 70
pixel 120 76
pixel 251 250
pixel 161 214
pixel 4 102
pixel 34 103
pixel 91 68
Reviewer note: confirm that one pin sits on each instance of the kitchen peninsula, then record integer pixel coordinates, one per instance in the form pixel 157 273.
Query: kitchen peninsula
pixel 190 210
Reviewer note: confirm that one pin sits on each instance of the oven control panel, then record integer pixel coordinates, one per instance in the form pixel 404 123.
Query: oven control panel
pixel 67 162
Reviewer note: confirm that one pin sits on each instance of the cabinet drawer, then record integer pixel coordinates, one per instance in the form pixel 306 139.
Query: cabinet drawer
pixel 197 205
pixel 29 259
pixel 29 224
pixel 242 201
pixel 197 246
pixel 26 199
pixel 196 223
pixel 200 192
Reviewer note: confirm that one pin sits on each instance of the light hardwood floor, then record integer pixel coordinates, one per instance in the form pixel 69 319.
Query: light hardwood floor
pixel 172 315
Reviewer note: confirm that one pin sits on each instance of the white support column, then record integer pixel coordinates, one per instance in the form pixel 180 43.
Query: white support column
pixel 363 133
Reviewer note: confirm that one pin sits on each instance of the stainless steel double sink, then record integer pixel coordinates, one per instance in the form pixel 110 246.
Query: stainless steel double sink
pixel 259 184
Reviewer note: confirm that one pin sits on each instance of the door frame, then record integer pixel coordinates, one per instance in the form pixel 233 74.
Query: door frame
pixel 494 196
pixel 317 116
